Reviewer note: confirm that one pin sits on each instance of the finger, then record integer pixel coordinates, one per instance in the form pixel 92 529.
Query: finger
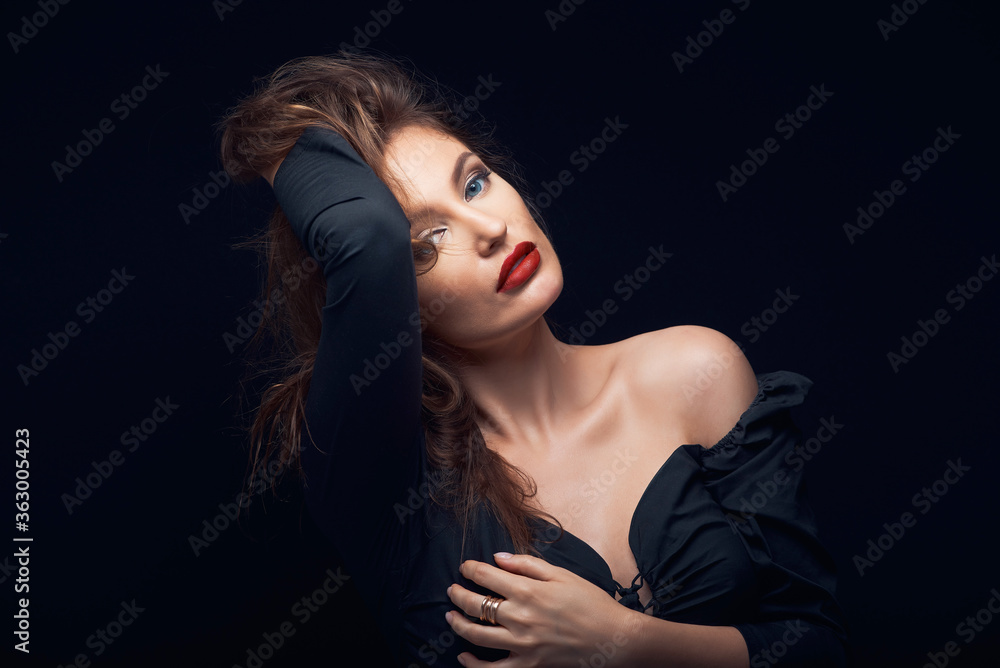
pixel 495 579
pixel 471 603
pixel 495 637
pixel 526 565
pixel 470 661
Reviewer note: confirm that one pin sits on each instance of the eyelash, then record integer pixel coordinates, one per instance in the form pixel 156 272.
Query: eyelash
pixel 481 174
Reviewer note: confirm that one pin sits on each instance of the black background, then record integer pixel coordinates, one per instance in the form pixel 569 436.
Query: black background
pixel 162 336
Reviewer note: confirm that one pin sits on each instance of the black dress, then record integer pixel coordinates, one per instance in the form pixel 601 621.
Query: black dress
pixel 721 534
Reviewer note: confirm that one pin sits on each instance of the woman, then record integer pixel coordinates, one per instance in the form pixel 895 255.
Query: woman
pixel 489 487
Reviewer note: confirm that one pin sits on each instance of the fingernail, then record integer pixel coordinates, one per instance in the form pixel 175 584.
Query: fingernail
pixel 448 591
pixel 448 616
pixel 461 660
pixel 502 555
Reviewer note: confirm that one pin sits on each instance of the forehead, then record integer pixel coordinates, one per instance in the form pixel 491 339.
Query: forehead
pixel 421 165
pixel 421 156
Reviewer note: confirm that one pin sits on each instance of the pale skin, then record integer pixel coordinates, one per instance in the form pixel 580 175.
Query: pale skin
pixel 563 414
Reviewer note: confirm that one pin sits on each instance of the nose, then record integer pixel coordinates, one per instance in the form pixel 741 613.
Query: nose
pixel 489 232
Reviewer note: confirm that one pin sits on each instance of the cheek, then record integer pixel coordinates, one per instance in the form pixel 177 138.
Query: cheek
pixel 440 301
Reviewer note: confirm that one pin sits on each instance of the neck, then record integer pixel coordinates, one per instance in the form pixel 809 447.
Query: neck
pixel 530 388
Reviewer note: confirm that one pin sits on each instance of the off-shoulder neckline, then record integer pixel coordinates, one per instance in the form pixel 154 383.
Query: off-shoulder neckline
pixel 764 381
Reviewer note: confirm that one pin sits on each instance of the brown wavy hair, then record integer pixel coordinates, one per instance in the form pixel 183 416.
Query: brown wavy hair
pixel 365 98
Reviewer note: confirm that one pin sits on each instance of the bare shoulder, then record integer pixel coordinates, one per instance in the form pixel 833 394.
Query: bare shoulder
pixel 689 373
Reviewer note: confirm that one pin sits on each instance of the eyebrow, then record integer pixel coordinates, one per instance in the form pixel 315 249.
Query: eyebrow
pixel 459 166
pixel 456 177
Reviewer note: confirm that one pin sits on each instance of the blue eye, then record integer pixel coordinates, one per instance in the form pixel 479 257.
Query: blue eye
pixel 477 184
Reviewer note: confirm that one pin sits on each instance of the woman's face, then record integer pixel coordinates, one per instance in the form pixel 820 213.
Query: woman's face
pixel 476 219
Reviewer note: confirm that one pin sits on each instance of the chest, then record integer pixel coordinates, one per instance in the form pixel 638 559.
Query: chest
pixel 594 490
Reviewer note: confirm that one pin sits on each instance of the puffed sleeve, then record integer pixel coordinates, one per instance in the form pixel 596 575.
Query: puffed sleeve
pixel 756 476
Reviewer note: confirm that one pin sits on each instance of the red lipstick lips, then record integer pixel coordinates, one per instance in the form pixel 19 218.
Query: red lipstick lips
pixel 518 266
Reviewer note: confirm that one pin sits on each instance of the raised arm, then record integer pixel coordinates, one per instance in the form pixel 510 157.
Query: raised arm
pixel 360 436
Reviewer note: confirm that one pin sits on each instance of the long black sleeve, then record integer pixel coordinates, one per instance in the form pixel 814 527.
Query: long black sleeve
pixel 361 432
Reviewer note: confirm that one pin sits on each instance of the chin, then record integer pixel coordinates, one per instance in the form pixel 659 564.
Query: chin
pixel 550 283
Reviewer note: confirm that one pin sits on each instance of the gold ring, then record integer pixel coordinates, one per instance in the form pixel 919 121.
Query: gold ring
pixel 488 611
